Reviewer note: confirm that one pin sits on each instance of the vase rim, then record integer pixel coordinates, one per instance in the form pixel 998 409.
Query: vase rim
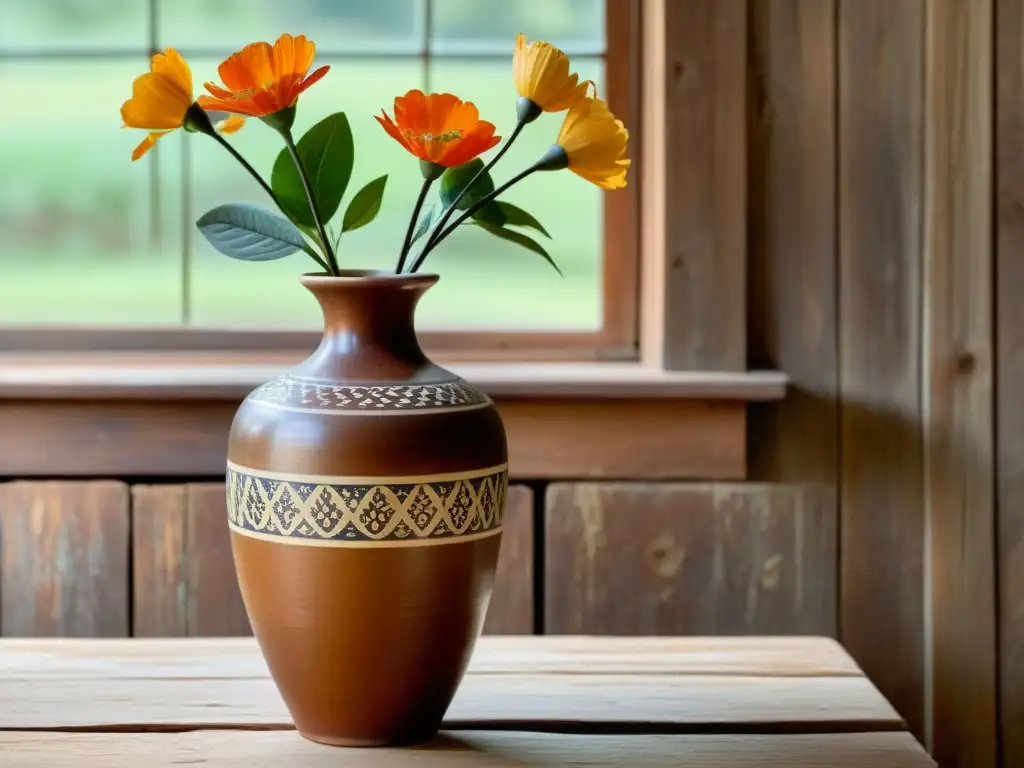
pixel 368 277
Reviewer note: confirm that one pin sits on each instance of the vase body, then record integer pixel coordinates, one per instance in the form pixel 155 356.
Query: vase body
pixel 366 491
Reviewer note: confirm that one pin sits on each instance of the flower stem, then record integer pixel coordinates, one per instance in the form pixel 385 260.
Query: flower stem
pixel 252 172
pixel 286 134
pixel 412 224
pixel 469 212
pixel 435 235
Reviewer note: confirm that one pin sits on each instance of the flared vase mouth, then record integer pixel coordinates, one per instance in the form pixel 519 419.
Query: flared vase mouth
pixel 369 278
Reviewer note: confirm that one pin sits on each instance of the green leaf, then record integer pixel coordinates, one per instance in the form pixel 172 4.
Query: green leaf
pixel 365 206
pixel 454 179
pixel 247 232
pixel 491 214
pixel 426 222
pixel 517 217
pixel 327 153
pixel 520 239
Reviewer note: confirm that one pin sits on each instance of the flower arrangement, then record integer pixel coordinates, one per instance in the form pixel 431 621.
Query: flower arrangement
pixel 310 176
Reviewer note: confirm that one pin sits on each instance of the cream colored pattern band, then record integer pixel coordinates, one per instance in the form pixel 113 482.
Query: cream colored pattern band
pixel 346 511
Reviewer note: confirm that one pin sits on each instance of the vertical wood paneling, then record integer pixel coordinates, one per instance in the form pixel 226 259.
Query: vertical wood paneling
pixel 1009 288
pixel 64 559
pixel 511 608
pixel 792 221
pixel 631 558
pixel 215 607
pixel 880 192
pixel 159 586
pixel 184 577
pixel 957 310
pixel 705 184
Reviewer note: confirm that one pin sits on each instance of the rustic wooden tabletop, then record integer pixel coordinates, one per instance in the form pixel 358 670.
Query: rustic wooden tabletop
pixel 526 701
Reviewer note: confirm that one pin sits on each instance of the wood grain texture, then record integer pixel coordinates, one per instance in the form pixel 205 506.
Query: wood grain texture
pixel 705 184
pixel 479 749
pixel 690 559
pixel 880 193
pixel 523 701
pixel 124 438
pixel 659 439
pixel 632 439
pixel 159 584
pixel 1009 331
pixel 225 658
pixel 511 608
pixel 64 559
pixel 958 399
pixel 792 229
pixel 763 684
pixel 184 576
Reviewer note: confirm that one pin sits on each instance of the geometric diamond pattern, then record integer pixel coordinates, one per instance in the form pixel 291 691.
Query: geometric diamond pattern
pixel 389 511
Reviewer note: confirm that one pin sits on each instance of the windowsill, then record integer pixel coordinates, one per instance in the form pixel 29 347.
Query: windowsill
pixel 214 377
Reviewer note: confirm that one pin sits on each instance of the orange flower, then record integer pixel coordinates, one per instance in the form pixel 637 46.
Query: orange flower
pixel 262 79
pixel 439 128
pixel 160 99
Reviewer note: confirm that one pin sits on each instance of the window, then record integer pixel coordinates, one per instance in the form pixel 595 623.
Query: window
pixel 89 239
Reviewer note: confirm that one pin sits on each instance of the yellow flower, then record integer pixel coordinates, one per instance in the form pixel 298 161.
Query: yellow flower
pixel 594 143
pixel 541 74
pixel 160 99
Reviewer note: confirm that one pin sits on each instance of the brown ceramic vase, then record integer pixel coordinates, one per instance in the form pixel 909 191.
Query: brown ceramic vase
pixel 366 490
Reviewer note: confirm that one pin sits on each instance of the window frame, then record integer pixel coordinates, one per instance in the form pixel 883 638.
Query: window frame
pixel 616 339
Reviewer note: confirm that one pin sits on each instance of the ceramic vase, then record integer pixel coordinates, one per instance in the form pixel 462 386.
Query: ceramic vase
pixel 366 489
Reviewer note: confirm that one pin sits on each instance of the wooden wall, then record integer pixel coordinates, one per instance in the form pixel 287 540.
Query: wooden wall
pixel 885 162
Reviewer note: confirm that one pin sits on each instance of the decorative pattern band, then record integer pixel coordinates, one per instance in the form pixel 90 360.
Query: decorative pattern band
pixel 361 511
pixel 298 394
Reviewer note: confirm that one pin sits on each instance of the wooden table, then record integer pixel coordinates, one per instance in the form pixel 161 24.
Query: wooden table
pixel 534 701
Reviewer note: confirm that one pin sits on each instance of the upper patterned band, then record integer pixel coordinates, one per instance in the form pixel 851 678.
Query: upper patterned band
pixel 360 511
pixel 302 395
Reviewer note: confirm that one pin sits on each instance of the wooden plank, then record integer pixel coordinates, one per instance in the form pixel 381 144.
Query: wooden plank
pixel 690 559
pixel 579 702
pixel 880 192
pixel 1010 370
pixel 215 607
pixel 491 749
pixel 1009 332
pixel 184 577
pixel 209 376
pixel 511 608
pixel 652 439
pixel 958 400
pixel 158 561
pixel 92 438
pixel 222 658
pixel 64 559
pixel 658 439
pixel 792 250
pixel 705 185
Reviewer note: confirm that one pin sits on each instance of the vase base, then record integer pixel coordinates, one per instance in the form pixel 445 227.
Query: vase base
pixel 340 741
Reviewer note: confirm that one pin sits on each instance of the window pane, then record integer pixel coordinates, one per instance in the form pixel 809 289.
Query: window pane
pixel 334 25
pixel 78 242
pixel 488 282
pixel 471 25
pixel 268 295
pixel 74 25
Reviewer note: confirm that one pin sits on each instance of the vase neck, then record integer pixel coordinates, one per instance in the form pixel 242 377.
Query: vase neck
pixel 369 328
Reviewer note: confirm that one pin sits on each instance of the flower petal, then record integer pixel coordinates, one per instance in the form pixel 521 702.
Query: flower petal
pixel 173 66
pixel 147 144
pixel 233 124
pixel 292 56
